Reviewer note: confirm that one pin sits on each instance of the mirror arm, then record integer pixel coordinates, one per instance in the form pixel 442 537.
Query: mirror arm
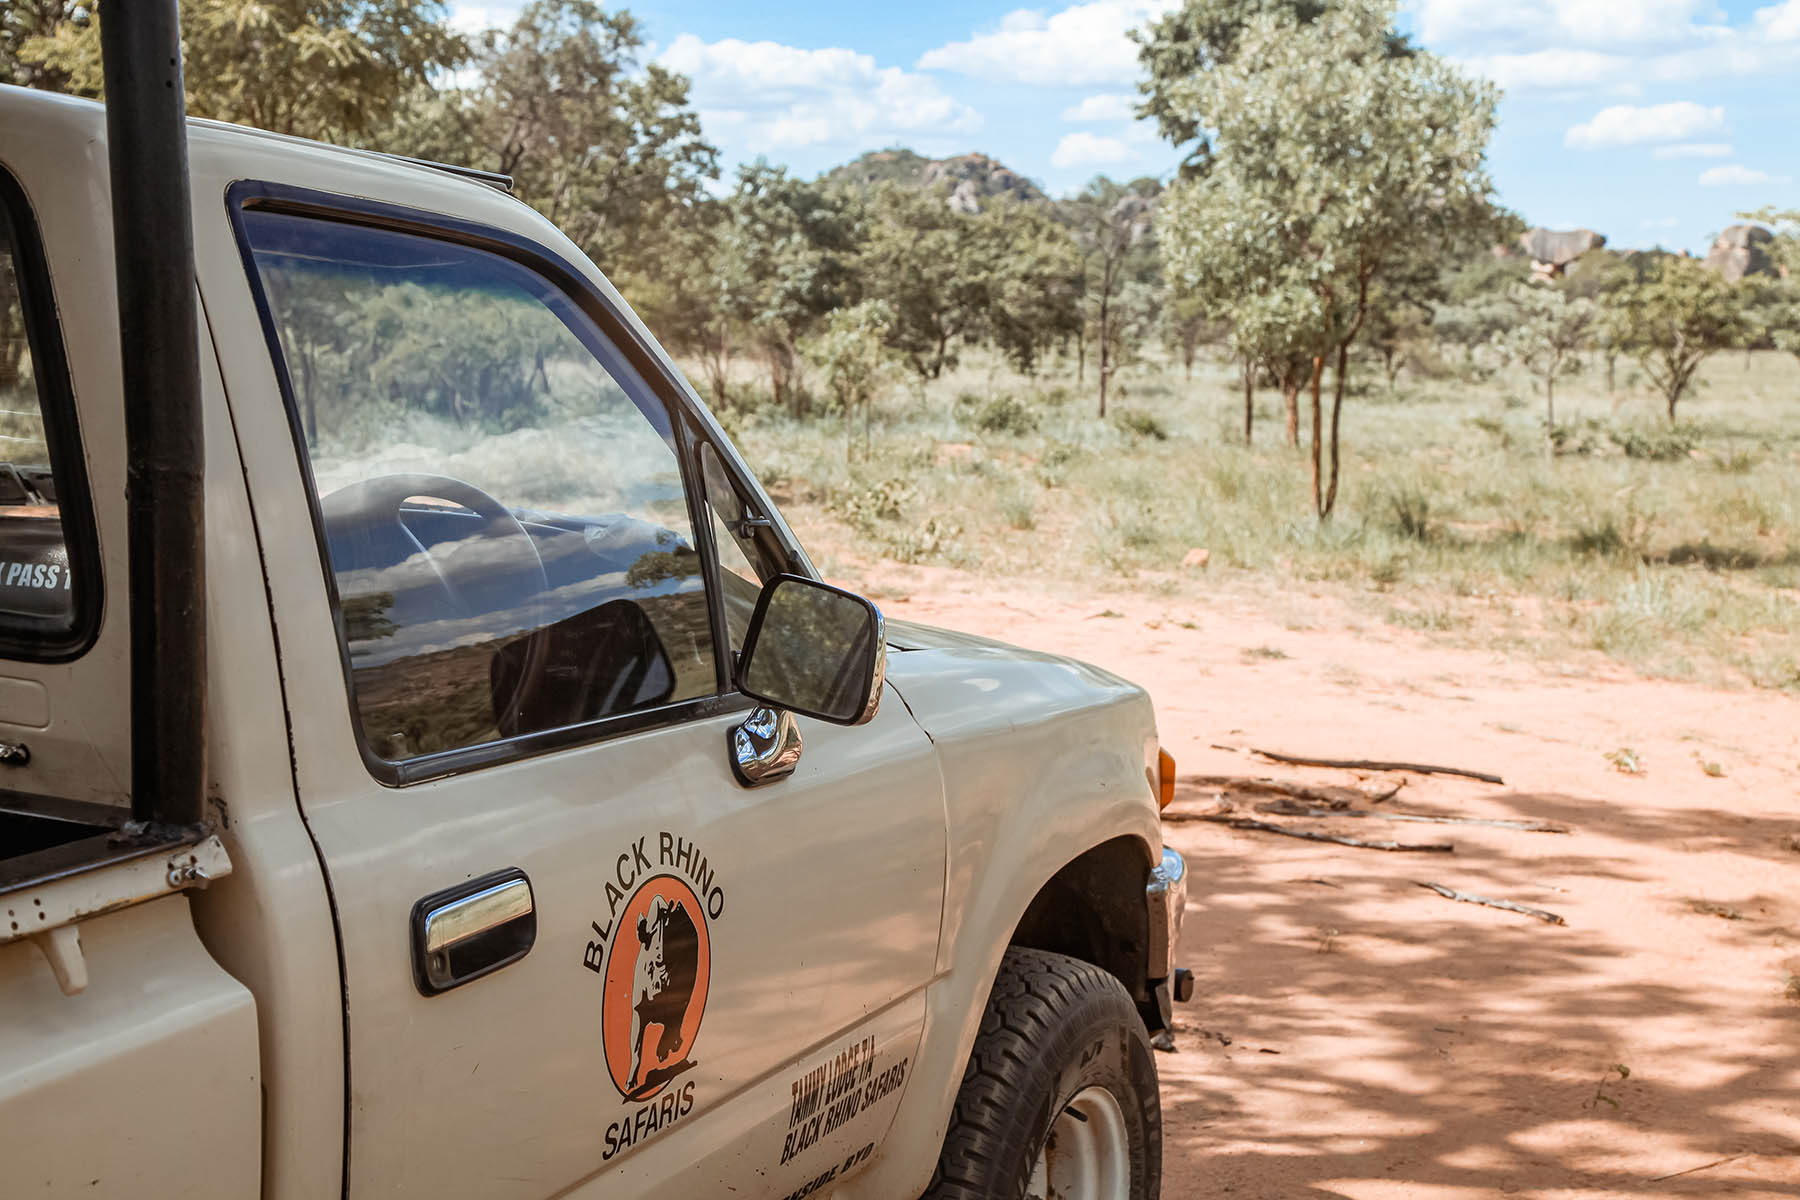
pixel 765 746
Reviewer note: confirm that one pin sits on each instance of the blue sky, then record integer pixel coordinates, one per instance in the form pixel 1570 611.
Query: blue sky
pixel 1652 121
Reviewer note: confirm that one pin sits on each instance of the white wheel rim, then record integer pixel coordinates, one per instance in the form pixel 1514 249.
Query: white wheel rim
pixel 1087 1155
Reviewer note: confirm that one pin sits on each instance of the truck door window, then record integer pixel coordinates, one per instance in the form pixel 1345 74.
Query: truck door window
pixel 42 494
pixel 501 497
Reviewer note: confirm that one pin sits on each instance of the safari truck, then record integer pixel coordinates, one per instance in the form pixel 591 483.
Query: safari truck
pixel 431 766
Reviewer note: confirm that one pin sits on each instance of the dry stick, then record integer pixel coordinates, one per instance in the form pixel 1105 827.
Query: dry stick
pixel 1280 809
pixel 1282 787
pixel 1358 764
pixel 1265 827
pixel 1717 1162
pixel 1490 902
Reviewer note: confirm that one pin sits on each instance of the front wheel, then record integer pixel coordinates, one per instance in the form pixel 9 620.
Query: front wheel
pixel 1059 1099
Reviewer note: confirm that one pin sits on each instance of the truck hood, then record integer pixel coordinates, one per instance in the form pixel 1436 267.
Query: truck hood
pixel 960 686
pixel 910 635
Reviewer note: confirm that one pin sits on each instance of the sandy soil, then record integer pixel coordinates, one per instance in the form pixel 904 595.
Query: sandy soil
pixel 1355 1035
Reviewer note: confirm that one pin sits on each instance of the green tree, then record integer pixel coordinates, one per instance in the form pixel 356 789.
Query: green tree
pixel 1597 276
pixel 1673 319
pixel 935 267
pixel 327 69
pixel 785 253
pixel 1331 157
pixel 853 358
pixel 1114 229
pixel 607 148
pixel 1548 330
pixel 1400 307
pixel 1472 310
pixel 1200 36
pixel 698 303
pixel 1034 296
pixel 1188 324
pixel 28 22
pixel 1274 333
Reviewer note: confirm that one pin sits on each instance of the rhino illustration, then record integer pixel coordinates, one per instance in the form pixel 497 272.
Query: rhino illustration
pixel 663 985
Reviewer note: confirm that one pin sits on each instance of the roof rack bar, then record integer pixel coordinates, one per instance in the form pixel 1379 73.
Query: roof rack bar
pixel 493 179
pixel 165 451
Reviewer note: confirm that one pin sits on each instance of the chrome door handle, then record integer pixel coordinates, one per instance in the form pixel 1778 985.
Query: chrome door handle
pixel 765 747
pixel 471 930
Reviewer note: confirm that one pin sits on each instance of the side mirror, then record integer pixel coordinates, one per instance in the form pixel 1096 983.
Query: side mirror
pixel 816 650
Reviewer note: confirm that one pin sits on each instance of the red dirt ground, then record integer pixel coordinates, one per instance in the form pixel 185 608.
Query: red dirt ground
pixel 1355 1035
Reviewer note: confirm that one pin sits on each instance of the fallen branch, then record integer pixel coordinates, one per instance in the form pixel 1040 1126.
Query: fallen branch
pixel 1490 902
pixel 1717 1162
pixel 1358 764
pixel 1309 835
pixel 1329 795
pixel 1283 808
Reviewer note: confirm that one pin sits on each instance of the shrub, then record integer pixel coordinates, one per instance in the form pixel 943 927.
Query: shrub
pixel 866 506
pixel 1004 413
pixel 1141 423
pixel 1657 445
pixel 1578 437
pixel 1018 510
pixel 1411 515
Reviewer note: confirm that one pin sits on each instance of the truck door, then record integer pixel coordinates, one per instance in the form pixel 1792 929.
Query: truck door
pixel 577 954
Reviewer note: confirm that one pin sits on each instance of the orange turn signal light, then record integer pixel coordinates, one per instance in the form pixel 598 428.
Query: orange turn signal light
pixel 1165 779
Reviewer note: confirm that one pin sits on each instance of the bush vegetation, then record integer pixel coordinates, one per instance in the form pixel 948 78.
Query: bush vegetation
pixel 1676 551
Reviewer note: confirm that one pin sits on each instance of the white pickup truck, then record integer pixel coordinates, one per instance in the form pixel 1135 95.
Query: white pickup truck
pixel 563 834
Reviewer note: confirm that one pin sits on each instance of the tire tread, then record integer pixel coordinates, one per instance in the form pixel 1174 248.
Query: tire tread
pixel 1033 989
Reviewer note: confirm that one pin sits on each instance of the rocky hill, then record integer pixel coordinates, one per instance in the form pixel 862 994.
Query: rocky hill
pixel 968 180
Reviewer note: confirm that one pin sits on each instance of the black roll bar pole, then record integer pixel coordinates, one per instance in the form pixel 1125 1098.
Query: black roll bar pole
pixel 159 356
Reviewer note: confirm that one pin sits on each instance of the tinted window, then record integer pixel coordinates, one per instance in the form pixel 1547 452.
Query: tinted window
pixel 502 499
pixel 37 589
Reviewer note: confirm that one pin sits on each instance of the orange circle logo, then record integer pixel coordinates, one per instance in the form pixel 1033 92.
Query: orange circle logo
pixel 657 971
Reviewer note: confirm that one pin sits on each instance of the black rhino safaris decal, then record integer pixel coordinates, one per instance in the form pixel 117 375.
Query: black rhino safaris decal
pixel 653 954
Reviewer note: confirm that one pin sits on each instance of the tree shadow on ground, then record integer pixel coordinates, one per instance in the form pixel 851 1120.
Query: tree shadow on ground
pixel 1460 1051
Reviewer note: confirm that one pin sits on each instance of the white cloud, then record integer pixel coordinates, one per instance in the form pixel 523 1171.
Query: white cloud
pixel 1626 125
pixel 1081 44
pixel 1107 106
pixel 1735 175
pixel 475 18
pixel 1084 149
pixel 1693 150
pixel 1583 22
pixel 1610 45
pixel 1548 69
pixel 1780 21
pixel 781 97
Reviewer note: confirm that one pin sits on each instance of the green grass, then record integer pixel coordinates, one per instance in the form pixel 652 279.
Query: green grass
pixel 1676 551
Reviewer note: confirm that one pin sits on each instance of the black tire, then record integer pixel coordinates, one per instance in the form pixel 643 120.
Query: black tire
pixel 1053 1027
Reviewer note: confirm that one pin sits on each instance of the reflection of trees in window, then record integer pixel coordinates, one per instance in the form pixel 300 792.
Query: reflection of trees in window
pixel 363 350
pixel 365 617
pixel 656 566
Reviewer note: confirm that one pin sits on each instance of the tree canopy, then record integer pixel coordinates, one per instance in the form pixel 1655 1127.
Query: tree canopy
pixel 1332 156
pixel 326 69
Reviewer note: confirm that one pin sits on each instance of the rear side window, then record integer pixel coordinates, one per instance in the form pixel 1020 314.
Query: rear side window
pixel 502 501
pixel 45 600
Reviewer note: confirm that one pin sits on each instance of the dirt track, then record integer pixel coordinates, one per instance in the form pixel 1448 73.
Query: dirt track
pixel 1355 1035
